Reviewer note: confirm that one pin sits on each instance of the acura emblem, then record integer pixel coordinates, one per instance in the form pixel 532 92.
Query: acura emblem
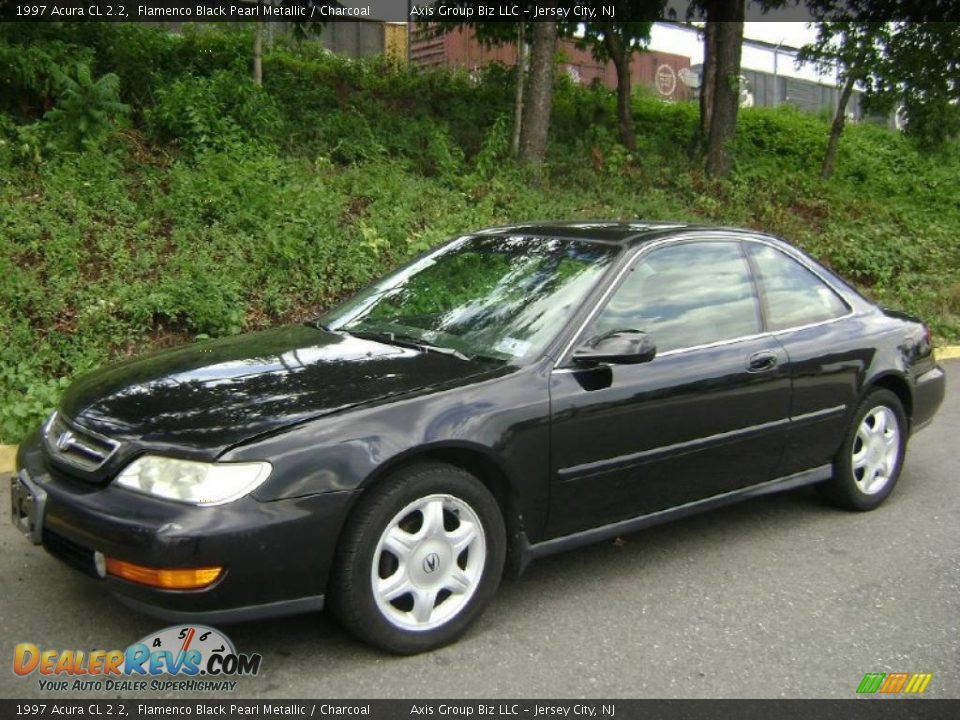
pixel 65 441
pixel 431 562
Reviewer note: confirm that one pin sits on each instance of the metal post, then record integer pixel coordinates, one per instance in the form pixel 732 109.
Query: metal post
pixel 776 75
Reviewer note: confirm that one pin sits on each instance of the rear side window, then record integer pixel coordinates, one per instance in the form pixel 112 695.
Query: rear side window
pixel 793 295
pixel 686 295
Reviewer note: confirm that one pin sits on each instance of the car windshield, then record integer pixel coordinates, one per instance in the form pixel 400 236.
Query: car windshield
pixel 498 297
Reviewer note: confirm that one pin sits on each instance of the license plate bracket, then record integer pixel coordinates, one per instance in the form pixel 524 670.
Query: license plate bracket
pixel 27 501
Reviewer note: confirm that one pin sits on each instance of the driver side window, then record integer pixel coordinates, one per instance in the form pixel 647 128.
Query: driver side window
pixel 686 295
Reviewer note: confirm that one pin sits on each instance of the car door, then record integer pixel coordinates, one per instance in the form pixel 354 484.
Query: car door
pixel 826 354
pixel 706 416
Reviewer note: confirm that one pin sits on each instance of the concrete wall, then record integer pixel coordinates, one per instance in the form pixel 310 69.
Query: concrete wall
pixel 354 39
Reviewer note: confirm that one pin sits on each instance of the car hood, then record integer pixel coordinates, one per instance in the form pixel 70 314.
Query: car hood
pixel 210 396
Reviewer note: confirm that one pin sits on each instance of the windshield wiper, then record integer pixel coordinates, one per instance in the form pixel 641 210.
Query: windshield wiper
pixel 406 341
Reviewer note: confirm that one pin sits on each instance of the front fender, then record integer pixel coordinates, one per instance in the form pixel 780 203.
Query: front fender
pixel 504 419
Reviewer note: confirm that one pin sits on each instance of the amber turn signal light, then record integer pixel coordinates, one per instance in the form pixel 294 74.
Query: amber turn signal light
pixel 167 579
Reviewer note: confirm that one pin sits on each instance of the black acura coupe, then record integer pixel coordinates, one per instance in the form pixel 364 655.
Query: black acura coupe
pixel 513 393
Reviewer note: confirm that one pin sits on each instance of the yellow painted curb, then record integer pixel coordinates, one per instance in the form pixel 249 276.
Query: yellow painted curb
pixel 951 352
pixel 8 456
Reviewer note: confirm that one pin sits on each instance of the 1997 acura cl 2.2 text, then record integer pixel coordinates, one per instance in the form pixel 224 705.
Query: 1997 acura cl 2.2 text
pixel 512 393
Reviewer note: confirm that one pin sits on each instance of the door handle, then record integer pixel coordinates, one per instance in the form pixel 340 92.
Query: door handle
pixel 762 361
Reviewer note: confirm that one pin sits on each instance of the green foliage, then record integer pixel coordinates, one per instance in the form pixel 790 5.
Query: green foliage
pixel 217 112
pixel 356 110
pixel 495 151
pixel 603 37
pixel 20 413
pixel 32 74
pixel 144 58
pixel 229 208
pixel 20 144
pixel 87 112
pixel 909 66
pixel 933 121
pixel 446 285
pixel 784 137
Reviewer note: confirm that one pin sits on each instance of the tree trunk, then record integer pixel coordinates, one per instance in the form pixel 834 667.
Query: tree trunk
pixel 830 159
pixel 521 77
pixel 258 53
pixel 536 111
pixel 708 82
pixel 726 96
pixel 621 61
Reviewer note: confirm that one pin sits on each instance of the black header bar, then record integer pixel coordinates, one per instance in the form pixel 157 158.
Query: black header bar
pixel 447 10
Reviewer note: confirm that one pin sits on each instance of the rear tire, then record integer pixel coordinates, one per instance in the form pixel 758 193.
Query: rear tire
pixel 868 464
pixel 420 559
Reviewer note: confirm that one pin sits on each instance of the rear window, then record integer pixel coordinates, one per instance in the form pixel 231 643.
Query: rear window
pixel 792 294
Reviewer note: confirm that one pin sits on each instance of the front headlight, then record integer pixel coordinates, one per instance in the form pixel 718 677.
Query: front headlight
pixel 189 481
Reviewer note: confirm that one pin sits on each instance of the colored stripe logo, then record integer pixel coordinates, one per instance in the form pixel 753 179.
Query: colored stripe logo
pixel 894 683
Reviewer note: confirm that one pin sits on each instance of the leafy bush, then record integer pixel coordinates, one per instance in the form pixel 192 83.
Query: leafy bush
pixel 217 112
pixel 32 73
pixel 87 112
pixel 19 144
pixel 145 58
pixel 495 151
pixel 20 411
pixel 785 137
pixel 348 138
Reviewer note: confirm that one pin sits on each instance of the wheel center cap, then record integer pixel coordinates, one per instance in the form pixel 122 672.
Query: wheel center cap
pixel 430 563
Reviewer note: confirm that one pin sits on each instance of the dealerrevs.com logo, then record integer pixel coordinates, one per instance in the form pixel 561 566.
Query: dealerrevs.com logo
pixel 200 657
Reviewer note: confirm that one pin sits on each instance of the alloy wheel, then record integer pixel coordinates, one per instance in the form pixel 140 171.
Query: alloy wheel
pixel 428 562
pixel 876 450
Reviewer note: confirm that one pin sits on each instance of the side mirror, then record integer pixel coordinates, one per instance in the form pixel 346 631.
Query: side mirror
pixel 627 347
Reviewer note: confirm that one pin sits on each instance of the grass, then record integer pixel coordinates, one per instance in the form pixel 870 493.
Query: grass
pixel 220 208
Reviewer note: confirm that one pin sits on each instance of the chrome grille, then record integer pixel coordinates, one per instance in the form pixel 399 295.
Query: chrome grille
pixel 72 445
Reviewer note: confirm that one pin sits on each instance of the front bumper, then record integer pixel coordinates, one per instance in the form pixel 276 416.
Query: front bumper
pixel 277 555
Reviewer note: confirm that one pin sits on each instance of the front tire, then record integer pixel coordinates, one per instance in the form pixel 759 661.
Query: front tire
pixel 868 464
pixel 420 559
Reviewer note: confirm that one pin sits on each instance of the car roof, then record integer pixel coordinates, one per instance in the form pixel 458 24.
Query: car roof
pixel 620 232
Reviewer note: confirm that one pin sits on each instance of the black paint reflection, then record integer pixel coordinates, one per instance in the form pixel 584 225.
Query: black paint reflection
pixel 218 393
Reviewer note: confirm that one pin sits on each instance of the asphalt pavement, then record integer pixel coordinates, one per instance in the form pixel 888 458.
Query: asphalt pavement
pixel 775 597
